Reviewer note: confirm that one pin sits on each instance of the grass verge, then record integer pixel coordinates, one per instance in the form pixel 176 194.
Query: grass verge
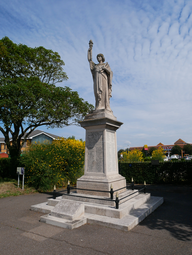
pixel 10 188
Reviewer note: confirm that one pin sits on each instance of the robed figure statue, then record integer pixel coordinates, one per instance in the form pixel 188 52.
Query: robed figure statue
pixel 102 80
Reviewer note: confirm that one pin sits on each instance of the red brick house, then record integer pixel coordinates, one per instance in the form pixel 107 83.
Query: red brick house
pixel 167 148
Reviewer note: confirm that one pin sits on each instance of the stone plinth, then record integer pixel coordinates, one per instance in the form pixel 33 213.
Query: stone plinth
pixel 68 210
pixel 101 162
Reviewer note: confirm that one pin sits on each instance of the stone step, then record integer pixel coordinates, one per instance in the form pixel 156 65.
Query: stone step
pixel 130 220
pixel 63 223
pixel 127 195
pixel 42 207
pixel 124 209
pixel 98 199
pixel 46 207
pixel 93 208
pixel 89 198
pixel 53 202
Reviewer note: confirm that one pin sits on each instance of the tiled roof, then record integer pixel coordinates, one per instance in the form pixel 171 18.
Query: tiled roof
pixel 180 141
pixel 160 144
pixel 34 134
pixel 39 132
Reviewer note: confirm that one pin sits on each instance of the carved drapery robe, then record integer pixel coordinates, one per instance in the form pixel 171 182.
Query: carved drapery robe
pixel 102 79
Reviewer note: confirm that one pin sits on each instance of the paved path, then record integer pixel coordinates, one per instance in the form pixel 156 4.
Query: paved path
pixel 168 230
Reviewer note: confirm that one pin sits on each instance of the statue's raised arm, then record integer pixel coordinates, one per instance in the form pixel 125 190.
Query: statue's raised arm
pixel 89 55
pixel 102 80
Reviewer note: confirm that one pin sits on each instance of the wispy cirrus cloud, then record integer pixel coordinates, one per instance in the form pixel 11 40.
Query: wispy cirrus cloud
pixel 148 45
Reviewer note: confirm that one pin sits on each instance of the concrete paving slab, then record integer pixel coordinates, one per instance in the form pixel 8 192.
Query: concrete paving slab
pixel 168 230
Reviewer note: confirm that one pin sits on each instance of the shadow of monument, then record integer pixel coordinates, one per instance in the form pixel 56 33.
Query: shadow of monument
pixel 175 214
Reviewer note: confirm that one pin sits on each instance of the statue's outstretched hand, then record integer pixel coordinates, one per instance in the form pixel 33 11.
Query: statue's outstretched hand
pixel 90 51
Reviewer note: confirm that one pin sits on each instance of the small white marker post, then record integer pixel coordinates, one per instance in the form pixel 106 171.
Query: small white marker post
pixel 21 171
pixel 18 179
pixel 23 183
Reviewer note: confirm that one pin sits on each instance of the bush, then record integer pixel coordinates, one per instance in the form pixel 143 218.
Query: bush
pixel 158 154
pixel 55 163
pixel 132 156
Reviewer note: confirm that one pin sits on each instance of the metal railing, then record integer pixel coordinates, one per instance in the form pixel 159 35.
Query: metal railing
pixel 116 200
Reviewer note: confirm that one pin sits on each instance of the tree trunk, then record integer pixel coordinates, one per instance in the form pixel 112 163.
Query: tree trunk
pixel 14 152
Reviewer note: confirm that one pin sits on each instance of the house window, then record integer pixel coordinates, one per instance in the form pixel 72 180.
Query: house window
pixel 3 147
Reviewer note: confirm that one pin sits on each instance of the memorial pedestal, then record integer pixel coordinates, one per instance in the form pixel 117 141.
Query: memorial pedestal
pixel 101 162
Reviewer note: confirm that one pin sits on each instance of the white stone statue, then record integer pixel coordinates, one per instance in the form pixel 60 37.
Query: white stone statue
pixel 102 79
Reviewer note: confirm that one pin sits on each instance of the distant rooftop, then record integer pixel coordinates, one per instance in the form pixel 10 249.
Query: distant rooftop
pixel 39 132
pixel 34 134
pixel 179 142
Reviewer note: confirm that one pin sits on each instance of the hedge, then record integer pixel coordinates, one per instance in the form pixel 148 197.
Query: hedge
pixel 179 172
pixel 166 172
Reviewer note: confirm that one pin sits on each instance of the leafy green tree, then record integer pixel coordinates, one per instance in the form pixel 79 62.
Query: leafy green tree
pixel 176 149
pixel 187 149
pixel 127 149
pixel 29 97
pixel 119 153
pixel 71 137
pixel 145 152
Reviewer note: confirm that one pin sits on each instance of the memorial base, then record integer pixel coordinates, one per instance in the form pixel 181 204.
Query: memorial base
pixel 101 163
pixel 95 186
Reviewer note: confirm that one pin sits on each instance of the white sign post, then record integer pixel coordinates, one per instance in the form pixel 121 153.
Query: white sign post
pixel 21 171
pixel 18 179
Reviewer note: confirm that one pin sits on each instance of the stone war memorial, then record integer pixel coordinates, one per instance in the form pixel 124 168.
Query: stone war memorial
pixel 101 163
pixel 101 195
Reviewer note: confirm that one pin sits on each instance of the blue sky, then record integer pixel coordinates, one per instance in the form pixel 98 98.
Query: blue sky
pixel 147 43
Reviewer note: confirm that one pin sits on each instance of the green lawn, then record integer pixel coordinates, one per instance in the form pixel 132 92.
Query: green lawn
pixel 10 188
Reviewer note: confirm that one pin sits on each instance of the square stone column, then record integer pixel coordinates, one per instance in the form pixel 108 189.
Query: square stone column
pixel 101 161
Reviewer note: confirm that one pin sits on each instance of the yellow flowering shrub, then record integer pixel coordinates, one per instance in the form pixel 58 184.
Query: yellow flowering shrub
pixel 158 154
pixel 49 164
pixel 132 156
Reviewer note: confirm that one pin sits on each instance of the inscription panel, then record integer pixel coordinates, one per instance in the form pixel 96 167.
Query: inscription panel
pixel 111 153
pixel 94 146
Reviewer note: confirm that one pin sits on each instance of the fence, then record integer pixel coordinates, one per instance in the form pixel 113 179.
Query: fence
pixel 116 200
